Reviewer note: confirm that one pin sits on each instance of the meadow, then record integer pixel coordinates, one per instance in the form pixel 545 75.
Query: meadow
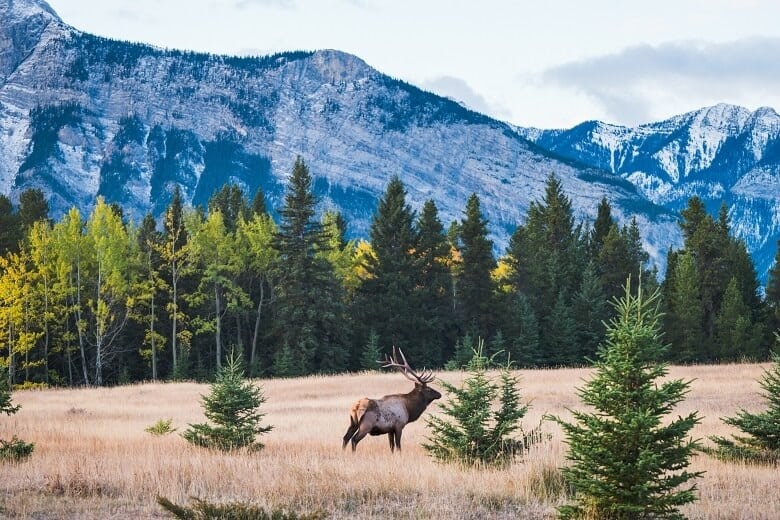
pixel 93 458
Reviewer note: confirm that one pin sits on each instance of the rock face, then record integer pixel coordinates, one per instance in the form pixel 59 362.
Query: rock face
pixel 722 154
pixel 82 115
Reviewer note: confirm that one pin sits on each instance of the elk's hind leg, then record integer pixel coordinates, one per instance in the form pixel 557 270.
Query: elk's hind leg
pixel 353 426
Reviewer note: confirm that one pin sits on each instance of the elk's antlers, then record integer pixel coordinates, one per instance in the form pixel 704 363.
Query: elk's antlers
pixel 392 361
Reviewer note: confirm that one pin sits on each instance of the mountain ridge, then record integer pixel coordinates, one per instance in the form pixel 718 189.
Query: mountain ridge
pixel 83 115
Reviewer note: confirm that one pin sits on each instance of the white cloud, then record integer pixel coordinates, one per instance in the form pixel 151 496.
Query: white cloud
pixel 643 82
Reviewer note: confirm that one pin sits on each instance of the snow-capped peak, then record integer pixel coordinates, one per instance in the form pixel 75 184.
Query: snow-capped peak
pixel 15 11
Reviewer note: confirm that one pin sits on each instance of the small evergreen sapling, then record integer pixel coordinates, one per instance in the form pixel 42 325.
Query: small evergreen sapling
pixel 761 442
pixel 475 433
pixel 371 352
pixel 15 449
pixel 627 462
pixel 232 407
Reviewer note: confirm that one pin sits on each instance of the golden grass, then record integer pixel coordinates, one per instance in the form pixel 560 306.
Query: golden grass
pixel 93 458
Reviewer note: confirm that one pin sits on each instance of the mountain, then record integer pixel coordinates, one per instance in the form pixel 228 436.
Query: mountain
pixel 82 115
pixel 721 154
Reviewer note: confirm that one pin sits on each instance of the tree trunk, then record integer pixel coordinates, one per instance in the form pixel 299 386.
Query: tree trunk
pixel 82 347
pixel 256 334
pixel 218 332
pixel 154 346
pixel 175 321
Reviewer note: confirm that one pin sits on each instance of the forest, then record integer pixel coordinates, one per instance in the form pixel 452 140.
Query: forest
pixel 100 300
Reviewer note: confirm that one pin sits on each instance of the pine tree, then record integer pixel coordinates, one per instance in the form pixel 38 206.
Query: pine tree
pixel 472 433
pixel 387 299
pixel 734 330
pixel 773 285
pixel 10 227
pixel 627 461
pixel 760 439
pixel 309 305
pixel 33 207
pixel 259 206
pixel 547 257
pixel 232 407
pixel 524 333
pixel 231 202
pixel 601 227
pixel 561 335
pixel 589 310
pixel 684 321
pixel 437 330
pixel 371 354
pixel 475 299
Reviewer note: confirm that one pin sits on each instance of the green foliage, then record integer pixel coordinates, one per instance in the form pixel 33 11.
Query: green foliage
pixel 473 433
pixel 310 302
pixel 15 450
pixel 161 427
pixel 627 461
pixel 760 439
pixel 203 510
pixel 475 298
pixel 464 352
pixel 5 395
pixel 371 354
pixel 232 407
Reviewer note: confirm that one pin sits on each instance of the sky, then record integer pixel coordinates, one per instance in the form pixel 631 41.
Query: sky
pixel 545 64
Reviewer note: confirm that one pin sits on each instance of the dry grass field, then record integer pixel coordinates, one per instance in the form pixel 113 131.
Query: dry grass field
pixel 93 459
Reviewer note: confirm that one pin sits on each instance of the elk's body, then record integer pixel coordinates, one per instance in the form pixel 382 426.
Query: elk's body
pixel 391 413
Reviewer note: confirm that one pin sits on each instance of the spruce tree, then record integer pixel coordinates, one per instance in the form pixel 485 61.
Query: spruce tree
pixel 232 407
pixel 473 432
pixel 547 258
pixel 760 438
pixel 387 298
pixel 601 227
pixel 524 333
pixel 371 353
pixel 627 461
pixel 684 321
pixel 437 331
pixel 773 286
pixel 589 310
pixel 475 296
pixel 309 306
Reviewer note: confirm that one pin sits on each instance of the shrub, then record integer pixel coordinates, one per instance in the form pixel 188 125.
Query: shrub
pixel 161 427
pixel 15 450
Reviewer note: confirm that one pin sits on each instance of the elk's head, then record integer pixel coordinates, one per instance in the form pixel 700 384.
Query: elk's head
pixel 420 380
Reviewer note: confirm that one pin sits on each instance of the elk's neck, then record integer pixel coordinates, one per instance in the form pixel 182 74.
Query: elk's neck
pixel 415 404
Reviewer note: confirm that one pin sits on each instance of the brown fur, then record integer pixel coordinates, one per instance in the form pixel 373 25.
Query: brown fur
pixel 387 415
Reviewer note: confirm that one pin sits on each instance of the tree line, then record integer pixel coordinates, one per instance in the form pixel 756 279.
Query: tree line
pixel 95 299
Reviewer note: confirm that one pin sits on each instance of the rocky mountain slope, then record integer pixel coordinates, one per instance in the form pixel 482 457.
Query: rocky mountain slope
pixel 723 153
pixel 82 115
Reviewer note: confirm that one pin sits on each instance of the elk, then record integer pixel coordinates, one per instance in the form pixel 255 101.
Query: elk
pixel 392 412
